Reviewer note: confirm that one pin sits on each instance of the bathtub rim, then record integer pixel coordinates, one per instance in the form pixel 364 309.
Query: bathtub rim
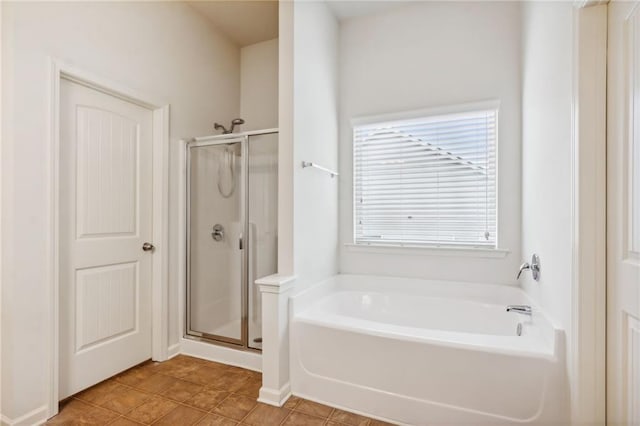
pixel 301 301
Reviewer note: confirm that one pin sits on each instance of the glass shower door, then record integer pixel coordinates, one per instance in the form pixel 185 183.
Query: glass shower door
pixel 216 198
pixel 263 223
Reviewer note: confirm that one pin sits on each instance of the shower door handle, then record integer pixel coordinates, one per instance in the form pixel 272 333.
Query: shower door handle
pixel 240 243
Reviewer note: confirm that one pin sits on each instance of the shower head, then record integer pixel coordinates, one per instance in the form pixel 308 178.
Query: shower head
pixel 236 122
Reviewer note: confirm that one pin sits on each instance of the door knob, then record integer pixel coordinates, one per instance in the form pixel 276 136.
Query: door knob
pixel 148 247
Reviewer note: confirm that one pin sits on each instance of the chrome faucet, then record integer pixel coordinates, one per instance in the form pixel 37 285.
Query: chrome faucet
pixel 520 309
pixel 534 267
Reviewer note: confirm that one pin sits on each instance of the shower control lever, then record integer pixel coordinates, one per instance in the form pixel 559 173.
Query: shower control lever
pixel 534 267
pixel 218 232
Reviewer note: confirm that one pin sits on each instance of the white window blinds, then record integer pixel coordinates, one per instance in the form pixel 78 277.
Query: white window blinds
pixel 427 181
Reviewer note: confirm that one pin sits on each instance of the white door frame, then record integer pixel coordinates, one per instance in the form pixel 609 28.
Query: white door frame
pixel 159 284
pixel 586 364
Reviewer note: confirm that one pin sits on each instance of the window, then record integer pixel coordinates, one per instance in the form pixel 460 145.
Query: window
pixel 427 181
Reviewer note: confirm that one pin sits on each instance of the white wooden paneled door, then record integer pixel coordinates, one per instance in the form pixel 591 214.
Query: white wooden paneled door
pixel 105 215
pixel 623 214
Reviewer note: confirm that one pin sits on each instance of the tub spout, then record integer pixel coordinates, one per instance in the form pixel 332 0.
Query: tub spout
pixel 520 309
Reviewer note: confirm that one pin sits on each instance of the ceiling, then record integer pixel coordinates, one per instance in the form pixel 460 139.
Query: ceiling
pixel 247 22
pixel 243 22
pixel 345 9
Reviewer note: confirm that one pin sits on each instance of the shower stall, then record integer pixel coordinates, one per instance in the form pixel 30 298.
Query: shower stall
pixel 232 235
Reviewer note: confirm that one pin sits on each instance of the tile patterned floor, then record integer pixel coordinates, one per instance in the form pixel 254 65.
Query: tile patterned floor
pixel 189 391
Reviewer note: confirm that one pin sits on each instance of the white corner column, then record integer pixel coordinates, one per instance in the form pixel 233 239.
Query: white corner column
pixel 275 290
pixel 587 361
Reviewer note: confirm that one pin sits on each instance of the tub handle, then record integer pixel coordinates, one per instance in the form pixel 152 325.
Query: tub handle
pixel 524 267
pixel 534 267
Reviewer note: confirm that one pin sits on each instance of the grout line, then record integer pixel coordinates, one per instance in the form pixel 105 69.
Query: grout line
pixel 114 420
pixel 149 395
pixel 204 413
pixel 225 417
pixel 219 403
pixel 248 375
pixel 91 404
pixel 286 417
pixel 247 415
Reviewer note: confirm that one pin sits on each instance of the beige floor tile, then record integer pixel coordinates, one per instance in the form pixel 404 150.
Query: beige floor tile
pixel 123 421
pixel 229 381
pixel 152 409
pixel 215 420
pixel 300 419
pixel 182 415
pixel 151 367
pixel 76 412
pixel 124 399
pixel 235 407
pixel 207 399
pixel 266 415
pixel 292 402
pixel 194 360
pixel 134 375
pixel 251 387
pixel 204 374
pixel 186 390
pixel 179 366
pixel 254 374
pixel 156 383
pixel 314 409
pixel 100 393
pixel 181 390
pixel 347 418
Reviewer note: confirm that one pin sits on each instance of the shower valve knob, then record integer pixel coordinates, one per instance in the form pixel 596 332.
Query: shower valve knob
pixel 218 232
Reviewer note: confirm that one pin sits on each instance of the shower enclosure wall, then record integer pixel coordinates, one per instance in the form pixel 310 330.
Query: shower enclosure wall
pixel 232 237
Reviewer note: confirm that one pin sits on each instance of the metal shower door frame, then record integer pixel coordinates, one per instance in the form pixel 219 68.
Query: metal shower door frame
pixel 189 332
pixel 225 139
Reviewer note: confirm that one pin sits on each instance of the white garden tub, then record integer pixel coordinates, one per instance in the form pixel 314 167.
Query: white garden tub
pixel 425 352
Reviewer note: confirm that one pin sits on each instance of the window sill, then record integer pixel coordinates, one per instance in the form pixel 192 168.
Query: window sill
pixel 429 251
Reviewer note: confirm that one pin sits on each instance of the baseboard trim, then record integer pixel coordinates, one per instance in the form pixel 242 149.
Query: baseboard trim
pixel 173 350
pixel 211 352
pixel 274 397
pixel 34 417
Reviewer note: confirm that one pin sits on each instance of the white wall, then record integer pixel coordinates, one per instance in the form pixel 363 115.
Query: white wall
pixel 423 55
pixel 315 138
pixel 259 85
pixel 163 49
pixel 1 202
pixel 285 137
pixel 547 78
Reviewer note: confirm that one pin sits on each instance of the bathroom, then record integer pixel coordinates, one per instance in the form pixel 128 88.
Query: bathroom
pixel 332 212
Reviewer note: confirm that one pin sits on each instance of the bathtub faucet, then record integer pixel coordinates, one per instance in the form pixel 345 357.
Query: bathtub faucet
pixel 534 267
pixel 520 309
